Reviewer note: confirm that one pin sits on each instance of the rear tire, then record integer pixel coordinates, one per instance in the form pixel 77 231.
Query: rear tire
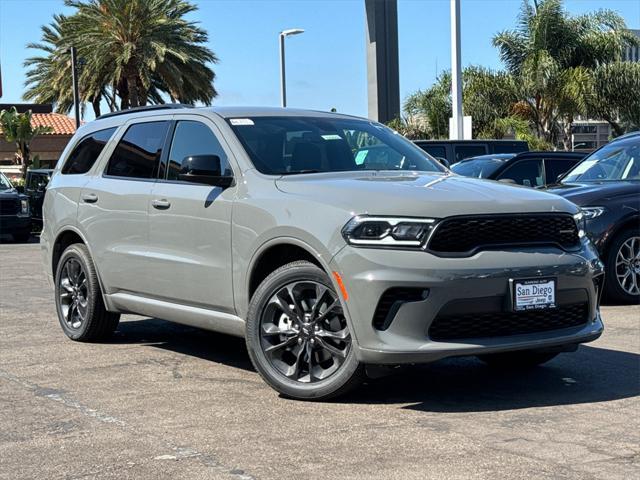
pixel 517 360
pixel 297 336
pixel 624 247
pixel 81 311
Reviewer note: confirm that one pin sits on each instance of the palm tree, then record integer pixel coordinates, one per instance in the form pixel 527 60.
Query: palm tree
pixel 552 55
pixel 135 52
pixel 16 127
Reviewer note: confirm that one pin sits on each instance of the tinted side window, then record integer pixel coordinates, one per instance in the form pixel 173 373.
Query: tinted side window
pixel 508 147
pixel 87 152
pixel 555 168
pixel 466 151
pixel 194 138
pixel 527 172
pixel 138 152
pixel 434 151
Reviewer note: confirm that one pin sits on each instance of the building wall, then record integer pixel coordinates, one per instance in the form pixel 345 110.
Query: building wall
pixel 47 147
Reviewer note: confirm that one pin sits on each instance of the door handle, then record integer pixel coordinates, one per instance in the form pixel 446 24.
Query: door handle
pixel 89 197
pixel 161 204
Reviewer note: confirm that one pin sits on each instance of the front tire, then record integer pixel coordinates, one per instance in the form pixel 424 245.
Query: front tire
pixel 622 266
pixel 298 337
pixel 81 311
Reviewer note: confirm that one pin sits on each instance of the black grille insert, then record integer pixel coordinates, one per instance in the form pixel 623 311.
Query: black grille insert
pixel 502 324
pixel 391 301
pixel 460 235
pixel 9 206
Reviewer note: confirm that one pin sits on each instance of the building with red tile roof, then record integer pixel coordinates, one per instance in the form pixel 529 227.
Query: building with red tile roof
pixel 47 146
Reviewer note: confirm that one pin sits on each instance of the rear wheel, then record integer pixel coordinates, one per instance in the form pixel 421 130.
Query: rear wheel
pixel 623 267
pixel 81 311
pixel 297 335
pixel 517 360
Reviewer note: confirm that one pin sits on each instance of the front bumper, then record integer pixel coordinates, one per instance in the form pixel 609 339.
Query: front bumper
pixel 368 273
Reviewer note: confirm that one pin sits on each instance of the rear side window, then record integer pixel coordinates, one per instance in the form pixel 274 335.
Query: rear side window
pixel 138 152
pixel 87 152
pixel 434 151
pixel 525 172
pixel 466 151
pixel 555 168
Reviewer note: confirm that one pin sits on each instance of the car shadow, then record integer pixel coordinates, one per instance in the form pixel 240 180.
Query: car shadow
pixel 457 385
pixel 463 385
pixel 186 340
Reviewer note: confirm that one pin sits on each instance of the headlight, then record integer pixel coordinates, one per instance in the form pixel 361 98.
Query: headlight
pixel 590 213
pixel 24 207
pixel 580 223
pixel 387 232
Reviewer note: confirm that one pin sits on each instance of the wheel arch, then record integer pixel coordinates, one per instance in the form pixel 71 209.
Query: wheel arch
pixel 629 222
pixel 276 253
pixel 66 236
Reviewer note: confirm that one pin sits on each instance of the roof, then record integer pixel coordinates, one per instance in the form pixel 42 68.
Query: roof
pixel 60 124
pixel 225 112
pixel 491 156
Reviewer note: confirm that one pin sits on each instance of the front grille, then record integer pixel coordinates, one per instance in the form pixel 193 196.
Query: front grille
pixel 391 301
pixel 459 235
pixel 503 324
pixel 9 206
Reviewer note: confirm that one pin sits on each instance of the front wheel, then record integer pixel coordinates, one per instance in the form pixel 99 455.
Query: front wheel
pixel 623 267
pixel 298 337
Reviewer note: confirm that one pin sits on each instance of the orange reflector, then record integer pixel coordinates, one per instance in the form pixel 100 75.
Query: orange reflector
pixel 338 278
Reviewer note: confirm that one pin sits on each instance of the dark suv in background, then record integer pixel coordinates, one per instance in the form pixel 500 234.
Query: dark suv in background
pixel 531 169
pixel 15 218
pixel 606 185
pixel 455 150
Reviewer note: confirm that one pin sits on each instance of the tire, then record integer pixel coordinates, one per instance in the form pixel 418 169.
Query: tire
pixel 520 360
pixel 76 282
pixel 621 246
pixel 301 335
pixel 22 237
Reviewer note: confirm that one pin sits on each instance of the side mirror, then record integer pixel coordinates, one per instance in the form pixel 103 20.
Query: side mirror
pixel 20 188
pixel 204 169
pixel 444 161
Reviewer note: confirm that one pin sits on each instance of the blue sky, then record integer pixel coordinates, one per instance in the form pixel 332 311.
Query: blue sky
pixel 326 65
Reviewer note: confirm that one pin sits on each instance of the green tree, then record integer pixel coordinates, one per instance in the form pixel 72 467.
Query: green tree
pixel 552 56
pixel 134 52
pixel 17 127
pixel 614 96
pixel 431 107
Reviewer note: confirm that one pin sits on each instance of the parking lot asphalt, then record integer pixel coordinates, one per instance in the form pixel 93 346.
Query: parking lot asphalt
pixel 166 401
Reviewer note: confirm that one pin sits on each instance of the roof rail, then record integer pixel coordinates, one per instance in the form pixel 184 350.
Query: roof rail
pixel 148 108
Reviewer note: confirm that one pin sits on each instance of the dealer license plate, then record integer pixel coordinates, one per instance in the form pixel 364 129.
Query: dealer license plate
pixel 530 294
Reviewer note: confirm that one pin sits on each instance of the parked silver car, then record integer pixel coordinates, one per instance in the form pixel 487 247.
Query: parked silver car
pixel 275 225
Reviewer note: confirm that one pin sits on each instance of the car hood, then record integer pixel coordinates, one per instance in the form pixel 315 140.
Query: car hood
pixel 419 194
pixel 590 193
pixel 11 193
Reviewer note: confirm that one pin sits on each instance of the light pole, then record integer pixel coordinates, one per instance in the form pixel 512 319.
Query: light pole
pixel 456 74
pixel 74 76
pixel 283 83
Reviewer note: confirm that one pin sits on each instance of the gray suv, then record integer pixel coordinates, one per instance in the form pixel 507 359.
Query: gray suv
pixel 331 243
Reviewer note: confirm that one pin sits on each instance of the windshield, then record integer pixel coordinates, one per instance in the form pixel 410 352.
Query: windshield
pixel 292 145
pixel 477 168
pixel 5 184
pixel 617 161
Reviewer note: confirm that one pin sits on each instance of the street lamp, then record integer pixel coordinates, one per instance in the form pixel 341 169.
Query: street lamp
pixel 283 87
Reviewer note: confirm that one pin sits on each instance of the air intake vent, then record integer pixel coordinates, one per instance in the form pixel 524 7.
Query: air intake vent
pixel 502 324
pixel 391 301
